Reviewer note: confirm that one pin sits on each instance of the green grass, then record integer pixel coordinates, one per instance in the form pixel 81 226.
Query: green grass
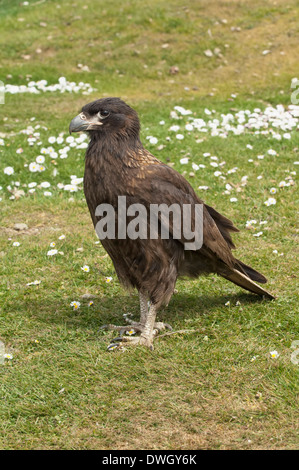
pixel 200 389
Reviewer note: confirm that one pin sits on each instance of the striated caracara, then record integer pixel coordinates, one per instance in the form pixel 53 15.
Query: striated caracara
pixel 119 169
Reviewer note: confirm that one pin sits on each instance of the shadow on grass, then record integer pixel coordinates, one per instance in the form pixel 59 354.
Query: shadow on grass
pixel 55 314
pixel 111 309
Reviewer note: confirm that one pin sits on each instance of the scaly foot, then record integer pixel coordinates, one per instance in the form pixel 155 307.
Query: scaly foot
pixel 132 329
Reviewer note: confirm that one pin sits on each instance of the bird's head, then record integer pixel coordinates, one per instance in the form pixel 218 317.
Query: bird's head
pixel 107 116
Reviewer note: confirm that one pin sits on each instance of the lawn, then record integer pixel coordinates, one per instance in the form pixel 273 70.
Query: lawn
pixel 229 378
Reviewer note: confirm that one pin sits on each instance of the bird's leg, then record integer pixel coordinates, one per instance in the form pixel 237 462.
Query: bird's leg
pixel 147 327
pixel 148 332
pixel 143 307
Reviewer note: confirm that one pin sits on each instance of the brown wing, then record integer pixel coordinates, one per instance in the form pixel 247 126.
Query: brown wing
pixel 167 186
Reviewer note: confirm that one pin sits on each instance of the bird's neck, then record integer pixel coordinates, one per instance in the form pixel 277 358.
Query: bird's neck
pixel 114 151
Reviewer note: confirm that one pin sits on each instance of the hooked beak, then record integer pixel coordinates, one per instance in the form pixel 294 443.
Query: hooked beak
pixel 80 123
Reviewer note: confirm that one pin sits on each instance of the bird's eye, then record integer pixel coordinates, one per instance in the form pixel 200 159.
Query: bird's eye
pixel 103 114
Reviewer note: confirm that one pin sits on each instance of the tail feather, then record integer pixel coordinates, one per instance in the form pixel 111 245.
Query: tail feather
pixel 242 280
pixel 250 272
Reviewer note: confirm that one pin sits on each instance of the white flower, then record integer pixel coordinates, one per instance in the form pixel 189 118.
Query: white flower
pixel 47 193
pixel 270 202
pixel 52 252
pixel 131 332
pixel 8 356
pixel 271 152
pixel 62 237
pixel 184 161
pixel 85 268
pixel 52 140
pixel 34 167
pixel 40 159
pixel 153 140
pixel 108 279
pixel 274 354
pixel 16 244
pixel 9 170
pixel 76 181
pixel 72 188
pixel 75 305
pixel 45 184
pixel 180 136
pixel 258 234
pixel 273 190
pixel 233 199
pixel 52 244
pixel 34 283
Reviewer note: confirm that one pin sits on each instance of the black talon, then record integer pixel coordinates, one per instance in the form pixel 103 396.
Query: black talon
pixel 119 338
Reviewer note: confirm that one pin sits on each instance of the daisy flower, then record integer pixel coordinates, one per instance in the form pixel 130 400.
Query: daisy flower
pixel 90 303
pixel 62 237
pixel 52 244
pixel 108 279
pixel 45 184
pixel 8 356
pixel 34 167
pixel 274 354
pixel 270 202
pixel 34 283
pixel 131 332
pixel 9 170
pixel 16 244
pixel 52 252
pixel 85 268
pixel 75 304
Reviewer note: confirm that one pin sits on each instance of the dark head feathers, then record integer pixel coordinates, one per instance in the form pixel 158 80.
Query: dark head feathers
pixel 118 117
pixel 115 105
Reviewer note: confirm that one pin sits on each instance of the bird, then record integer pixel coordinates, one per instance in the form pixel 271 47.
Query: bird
pixel 117 165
